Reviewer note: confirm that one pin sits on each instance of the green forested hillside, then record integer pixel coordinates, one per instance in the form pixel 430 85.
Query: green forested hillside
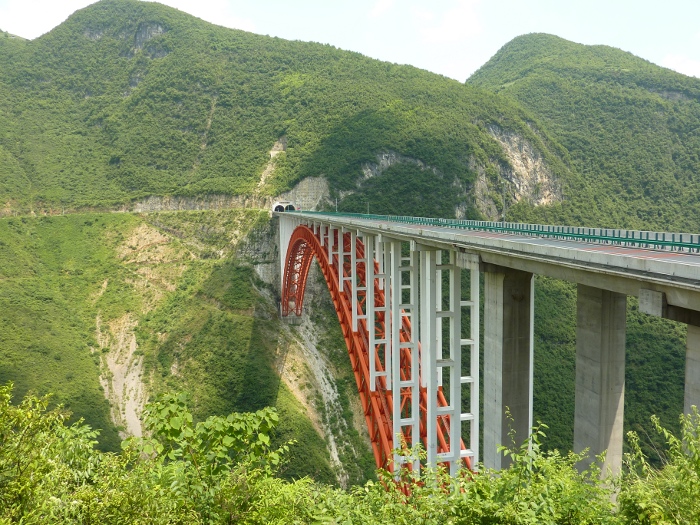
pixel 50 270
pixel 74 288
pixel 127 99
pixel 632 130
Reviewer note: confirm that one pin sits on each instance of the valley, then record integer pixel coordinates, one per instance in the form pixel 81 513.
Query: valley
pixel 141 149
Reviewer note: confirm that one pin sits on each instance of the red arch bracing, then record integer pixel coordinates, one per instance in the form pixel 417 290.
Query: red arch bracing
pixel 304 245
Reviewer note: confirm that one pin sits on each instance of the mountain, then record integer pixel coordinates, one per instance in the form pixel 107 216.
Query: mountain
pixel 632 131
pixel 631 128
pixel 130 99
pixel 134 106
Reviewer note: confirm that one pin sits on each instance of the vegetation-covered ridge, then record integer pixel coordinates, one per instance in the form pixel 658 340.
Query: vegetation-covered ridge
pixel 631 128
pixel 222 470
pixel 128 99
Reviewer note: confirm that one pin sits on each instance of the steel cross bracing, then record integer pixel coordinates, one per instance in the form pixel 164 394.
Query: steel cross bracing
pixel 401 308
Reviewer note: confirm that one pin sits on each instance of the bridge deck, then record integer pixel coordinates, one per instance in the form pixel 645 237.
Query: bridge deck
pixel 672 271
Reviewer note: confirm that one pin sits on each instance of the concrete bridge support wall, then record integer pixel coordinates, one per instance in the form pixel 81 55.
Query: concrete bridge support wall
pixel 508 359
pixel 600 375
pixel 692 369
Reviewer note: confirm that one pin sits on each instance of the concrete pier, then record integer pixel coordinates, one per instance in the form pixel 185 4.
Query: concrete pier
pixel 508 358
pixel 692 369
pixel 600 375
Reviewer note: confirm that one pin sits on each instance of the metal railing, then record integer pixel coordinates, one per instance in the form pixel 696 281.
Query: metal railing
pixel 681 242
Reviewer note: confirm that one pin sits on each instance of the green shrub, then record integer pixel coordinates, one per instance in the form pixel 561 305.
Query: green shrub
pixel 670 494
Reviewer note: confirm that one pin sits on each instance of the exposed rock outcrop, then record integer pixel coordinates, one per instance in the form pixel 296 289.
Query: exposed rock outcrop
pixel 155 268
pixel 145 32
pixel 122 375
pixel 530 177
pixel 526 177
pixel 309 194
pixel 93 34
pixel 260 248
pixel 484 199
pixel 202 202
pixel 387 159
pixel 280 146
pixel 311 377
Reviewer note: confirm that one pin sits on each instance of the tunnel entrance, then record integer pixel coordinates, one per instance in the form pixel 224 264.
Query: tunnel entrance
pixel 281 206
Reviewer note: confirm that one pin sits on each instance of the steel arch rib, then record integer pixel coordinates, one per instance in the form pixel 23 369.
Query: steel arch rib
pixel 304 245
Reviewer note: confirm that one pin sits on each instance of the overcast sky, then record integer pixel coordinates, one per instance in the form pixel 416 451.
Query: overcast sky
pixel 450 37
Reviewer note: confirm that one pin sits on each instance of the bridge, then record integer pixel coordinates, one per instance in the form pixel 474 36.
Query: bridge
pixel 407 294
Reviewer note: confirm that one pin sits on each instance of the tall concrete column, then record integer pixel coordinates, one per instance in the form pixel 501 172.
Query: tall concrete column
pixel 508 357
pixel 692 369
pixel 600 375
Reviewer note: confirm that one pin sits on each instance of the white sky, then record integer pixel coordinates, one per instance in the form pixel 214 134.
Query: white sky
pixel 450 37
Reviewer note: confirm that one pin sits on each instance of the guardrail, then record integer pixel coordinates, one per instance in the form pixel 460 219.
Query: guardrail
pixel 681 242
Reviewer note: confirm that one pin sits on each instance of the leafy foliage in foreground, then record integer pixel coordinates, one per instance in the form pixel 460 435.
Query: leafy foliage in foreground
pixel 671 495
pixel 222 470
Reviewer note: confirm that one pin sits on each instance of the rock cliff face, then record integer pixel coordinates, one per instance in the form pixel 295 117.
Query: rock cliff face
pixel 145 32
pixel 324 381
pixel 484 197
pixel 529 176
pixel 526 177
pixel 386 159
pixel 312 379
pixel 203 202
pixel 122 377
pixel 309 194
pixel 260 248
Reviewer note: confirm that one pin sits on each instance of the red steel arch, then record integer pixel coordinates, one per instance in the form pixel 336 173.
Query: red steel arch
pixel 304 245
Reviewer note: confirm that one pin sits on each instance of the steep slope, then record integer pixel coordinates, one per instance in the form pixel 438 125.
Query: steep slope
pixel 128 99
pixel 632 129
pixel 119 307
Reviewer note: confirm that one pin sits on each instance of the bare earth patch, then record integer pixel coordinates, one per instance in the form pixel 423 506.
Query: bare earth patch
pixel 156 262
pixel 308 375
pixel 123 383
pixel 156 266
